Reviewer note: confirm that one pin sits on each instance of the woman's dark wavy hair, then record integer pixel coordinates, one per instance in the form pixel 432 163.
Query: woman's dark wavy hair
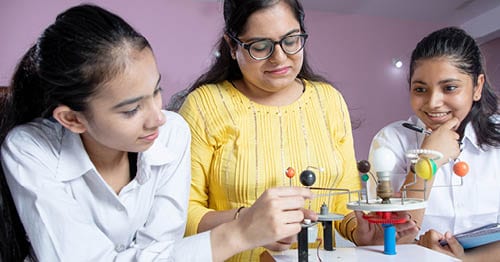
pixel 236 13
pixel 462 50
pixel 84 48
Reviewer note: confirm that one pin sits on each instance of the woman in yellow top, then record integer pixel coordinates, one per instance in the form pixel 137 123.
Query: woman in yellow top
pixel 259 110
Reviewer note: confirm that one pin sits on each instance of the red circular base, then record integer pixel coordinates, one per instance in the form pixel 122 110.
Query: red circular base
pixel 384 218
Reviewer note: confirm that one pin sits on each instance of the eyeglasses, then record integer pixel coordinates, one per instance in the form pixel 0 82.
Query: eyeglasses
pixel 263 48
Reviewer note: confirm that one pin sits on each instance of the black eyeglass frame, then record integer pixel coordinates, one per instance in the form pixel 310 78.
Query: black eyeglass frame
pixel 280 42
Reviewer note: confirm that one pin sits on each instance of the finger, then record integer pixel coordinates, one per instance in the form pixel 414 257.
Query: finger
pixel 435 239
pixel 288 203
pixel 421 240
pixel 452 124
pixel 288 240
pixel 362 225
pixel 286 230
pixel 434 235
pixel 309 214
pixel 278 246
pixel 290 191
pixel 408 231
pixel 409 226
pixel 454 246
pixel 292 216
pixel 428 238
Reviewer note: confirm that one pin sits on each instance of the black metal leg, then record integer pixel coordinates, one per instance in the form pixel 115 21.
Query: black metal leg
pixel 303 245
pixel 327 235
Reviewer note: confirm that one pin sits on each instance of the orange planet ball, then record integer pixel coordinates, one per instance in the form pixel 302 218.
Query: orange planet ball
pixel 461 168
pixel 290 172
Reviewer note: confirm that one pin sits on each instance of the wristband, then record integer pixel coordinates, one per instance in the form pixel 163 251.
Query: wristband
pixel 415 153
pixel 237 214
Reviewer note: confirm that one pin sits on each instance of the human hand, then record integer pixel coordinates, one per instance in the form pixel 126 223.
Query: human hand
pixel 445 140
pixel 431 240
pixel 274 219
pixel 408 231
pixel 284 244
pixel 367 233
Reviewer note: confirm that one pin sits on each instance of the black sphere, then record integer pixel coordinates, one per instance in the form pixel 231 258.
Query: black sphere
pixel 307 178
pixel 363 166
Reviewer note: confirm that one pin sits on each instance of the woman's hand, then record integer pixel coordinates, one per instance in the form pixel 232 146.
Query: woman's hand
pixel 431 240
pixel 282 244
pixel 286 243
pixel 274 219
pixel 367 233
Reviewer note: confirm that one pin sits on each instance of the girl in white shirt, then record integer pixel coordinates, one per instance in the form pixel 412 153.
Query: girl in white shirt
pixel 96 170
pixel 451 97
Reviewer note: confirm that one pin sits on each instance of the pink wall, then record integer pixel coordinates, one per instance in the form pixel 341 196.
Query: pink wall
pixel 491 51
pixel 354 52
pixel 181 32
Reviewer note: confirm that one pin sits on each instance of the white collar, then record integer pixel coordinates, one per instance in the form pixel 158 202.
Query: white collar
pixel 75 162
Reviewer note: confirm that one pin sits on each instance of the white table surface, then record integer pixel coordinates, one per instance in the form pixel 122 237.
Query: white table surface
pixel 409 252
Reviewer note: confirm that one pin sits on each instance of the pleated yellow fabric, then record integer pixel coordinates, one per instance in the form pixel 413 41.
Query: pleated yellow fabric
pixel 241 148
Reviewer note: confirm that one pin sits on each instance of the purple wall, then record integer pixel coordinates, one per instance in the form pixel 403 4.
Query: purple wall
pixel 181 32
pixel 491 51
pixel 354 52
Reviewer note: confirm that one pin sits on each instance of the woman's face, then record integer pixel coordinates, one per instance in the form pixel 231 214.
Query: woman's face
pixel 439 91
pixel 280 70
pixel 125 114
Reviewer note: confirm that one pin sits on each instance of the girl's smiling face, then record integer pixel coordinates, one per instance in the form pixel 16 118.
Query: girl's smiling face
pixel 439 91
pixel 126 114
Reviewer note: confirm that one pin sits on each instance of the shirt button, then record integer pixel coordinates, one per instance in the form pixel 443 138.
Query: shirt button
pixel 120 248
pixel 119 208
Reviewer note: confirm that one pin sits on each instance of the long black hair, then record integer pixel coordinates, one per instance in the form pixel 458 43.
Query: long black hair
pixel 462 50
pixel 236 14
pixel 84 48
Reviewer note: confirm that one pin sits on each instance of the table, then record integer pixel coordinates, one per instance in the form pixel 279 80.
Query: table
pixel 408 252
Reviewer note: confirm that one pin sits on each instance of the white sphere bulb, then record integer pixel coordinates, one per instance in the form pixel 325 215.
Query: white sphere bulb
pixel 384 160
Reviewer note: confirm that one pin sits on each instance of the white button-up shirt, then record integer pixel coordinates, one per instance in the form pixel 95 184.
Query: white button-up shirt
pixel 450 207
pixel 71 214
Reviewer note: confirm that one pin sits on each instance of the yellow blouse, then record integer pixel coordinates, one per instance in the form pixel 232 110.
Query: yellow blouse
pixel 241 148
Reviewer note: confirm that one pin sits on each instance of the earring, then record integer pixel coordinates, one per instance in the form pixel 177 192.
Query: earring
pixel 233 55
